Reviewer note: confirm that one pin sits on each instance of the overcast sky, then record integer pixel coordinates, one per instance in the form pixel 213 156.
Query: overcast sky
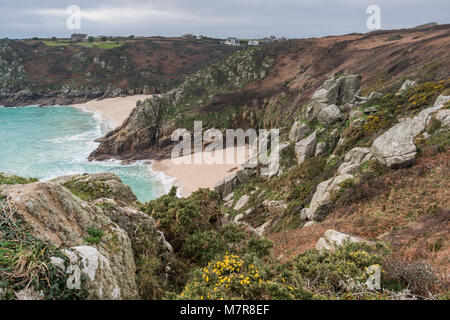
pixel 241 18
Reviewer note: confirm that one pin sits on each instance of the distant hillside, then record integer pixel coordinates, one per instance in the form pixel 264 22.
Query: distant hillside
pixel 268 86
pixel 59 71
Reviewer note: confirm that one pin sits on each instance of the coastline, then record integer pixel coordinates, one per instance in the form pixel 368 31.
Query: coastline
pixel 187 177
pixel 191 177
pixel 115 110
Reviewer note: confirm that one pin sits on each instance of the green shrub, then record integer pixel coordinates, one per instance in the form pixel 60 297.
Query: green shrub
pixel 89 190
pixel 233 277
pixel 95 235
pixel 334 271
pixel 13 179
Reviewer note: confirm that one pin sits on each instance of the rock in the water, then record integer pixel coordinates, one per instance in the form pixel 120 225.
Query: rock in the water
pixel 329 115
pixel 305 148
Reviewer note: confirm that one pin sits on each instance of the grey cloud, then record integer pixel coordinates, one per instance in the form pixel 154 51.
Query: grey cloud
pixel 243 18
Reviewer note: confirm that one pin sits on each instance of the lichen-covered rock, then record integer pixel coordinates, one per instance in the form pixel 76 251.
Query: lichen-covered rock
pixel 407 84
pixel 375 95
pixel 348 87
pixel 99 277
pixel 332 239
pixel 100 185
pixel 225 186
pixel 353 160
pixel 275 207
pixel 298 131
pixel 322 196
pixel 52 213
pixel 333 91
pixel 241 202
pixel 305 148
pixel 329 115
pixel 396 147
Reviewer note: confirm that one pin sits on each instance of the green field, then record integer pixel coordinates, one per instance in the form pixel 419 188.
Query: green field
pixel 96 44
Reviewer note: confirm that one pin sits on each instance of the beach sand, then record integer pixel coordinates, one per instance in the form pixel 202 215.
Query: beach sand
pixel 114 109
pixel 191 177
pixel 188 177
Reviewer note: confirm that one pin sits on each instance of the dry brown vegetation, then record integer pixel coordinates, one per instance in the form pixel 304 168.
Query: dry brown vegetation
pixel 407 208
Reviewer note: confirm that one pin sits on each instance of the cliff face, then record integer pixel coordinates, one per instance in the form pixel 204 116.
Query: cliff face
pixel 89 236
pixel 269 86
pixel 147 131
pixel 48 72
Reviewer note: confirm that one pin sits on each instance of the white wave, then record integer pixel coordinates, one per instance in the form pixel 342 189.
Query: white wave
pixel 105 124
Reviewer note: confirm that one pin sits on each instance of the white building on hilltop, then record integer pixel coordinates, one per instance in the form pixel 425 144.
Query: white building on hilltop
pixel 232 42
pixel 253 43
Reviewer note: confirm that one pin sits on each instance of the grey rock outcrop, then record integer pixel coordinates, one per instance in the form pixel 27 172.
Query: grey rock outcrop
pixel 225 186
pixel 353 160
pixel 275 207
pixel 241 202
pixel 396 146
pixel 333 91
pixel 407 84
pixel 332 239
pixel 329 115
pixel 305 148
pixel 298 131
pixel 54 214
pixel 375 95
pixel 322 197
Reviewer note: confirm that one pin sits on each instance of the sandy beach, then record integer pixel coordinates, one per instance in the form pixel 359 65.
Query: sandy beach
pixel 191 177
pixel 188 177
pixel 114 109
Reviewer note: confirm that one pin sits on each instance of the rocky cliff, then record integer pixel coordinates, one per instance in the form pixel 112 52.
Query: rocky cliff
pixel 268 87
pixel 90 234
pixel 58 71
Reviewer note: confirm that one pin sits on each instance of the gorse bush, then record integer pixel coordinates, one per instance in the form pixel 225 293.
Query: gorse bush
pixel 190 224
pixel 235 277
pixel 193 226
pixel 338 270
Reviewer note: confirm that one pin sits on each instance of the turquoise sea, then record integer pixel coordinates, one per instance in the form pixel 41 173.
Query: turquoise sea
pixel 48 142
